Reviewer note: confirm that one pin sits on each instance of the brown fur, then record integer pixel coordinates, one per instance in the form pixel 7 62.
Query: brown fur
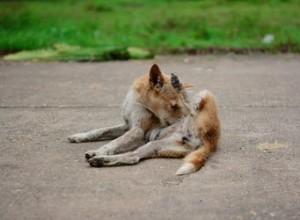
pixel 208 125
pixel 155 98
pixel 197 136
pixel 154 101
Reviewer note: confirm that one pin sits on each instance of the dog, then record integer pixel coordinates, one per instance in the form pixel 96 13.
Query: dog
pixel 155 100
pixel 195 138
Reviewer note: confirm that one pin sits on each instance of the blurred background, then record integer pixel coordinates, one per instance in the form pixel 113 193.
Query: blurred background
pixel 158 26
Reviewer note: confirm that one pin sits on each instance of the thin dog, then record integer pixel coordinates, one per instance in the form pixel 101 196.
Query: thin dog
pixel 195 138
pixel 154 101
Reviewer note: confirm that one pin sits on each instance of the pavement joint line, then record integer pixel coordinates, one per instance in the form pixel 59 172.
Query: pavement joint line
pixel 259 106
pixel 119 106
pixel 59 106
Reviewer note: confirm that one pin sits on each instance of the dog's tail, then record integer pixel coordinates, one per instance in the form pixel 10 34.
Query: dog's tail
pixel 196 159
pixel 208 122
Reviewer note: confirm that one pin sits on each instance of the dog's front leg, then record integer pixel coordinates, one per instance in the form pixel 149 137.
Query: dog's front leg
pixel 99 134
pixel 132 139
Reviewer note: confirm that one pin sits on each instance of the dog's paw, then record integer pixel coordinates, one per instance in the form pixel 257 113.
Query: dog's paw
pixel 96 161
pixel 77 138
pixel 90 154
pixel 100 152
pixel 99 161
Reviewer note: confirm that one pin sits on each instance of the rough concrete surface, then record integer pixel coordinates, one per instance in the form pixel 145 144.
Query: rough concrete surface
pixel 254 174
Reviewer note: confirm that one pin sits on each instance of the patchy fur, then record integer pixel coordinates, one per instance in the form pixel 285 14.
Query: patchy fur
pixel 195 137
pixel 152 103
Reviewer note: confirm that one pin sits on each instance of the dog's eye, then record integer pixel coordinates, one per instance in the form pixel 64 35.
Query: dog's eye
pixel 184 139
pixel 174 107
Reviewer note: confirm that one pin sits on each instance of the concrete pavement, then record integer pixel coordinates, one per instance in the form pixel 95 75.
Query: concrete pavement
pixel 254 174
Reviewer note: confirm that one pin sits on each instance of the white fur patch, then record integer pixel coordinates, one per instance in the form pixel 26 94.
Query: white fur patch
pixel 204 93
pixel 186 168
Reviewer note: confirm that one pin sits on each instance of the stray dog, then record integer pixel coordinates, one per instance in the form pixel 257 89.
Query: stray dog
pixel 154 101
pixel 195 137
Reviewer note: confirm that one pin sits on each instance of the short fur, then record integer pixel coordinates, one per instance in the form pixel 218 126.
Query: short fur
pixel 154 101
pixel 195 137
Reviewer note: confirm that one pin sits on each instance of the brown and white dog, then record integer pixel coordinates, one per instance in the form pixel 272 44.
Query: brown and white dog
pixel 154 101
pixel 195 137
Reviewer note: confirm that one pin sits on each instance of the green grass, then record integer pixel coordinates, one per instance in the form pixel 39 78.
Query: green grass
pixel 158 25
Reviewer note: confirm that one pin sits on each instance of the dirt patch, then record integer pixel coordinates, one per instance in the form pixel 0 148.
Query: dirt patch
pixel 266 146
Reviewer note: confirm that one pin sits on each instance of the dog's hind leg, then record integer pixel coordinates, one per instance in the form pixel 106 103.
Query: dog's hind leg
pixel 153 149
pixel 131 140
pixel 108 133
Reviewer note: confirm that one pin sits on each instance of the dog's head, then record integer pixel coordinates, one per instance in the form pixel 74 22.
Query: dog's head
pixel 166 97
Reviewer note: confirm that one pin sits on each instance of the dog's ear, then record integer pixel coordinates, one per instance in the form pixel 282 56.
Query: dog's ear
pixel 175 82
pixel 178 85
pixel 156 78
